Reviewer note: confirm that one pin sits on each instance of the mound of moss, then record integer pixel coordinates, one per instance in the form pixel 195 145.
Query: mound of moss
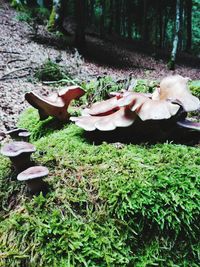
pixel 108 205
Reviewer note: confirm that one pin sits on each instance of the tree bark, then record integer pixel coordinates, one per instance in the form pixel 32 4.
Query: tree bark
pixel 80 24
pixel 189 24
pixel 160 9
pixel 145 23
pixel 57 15
pixel 110 28
pixel 171 64
pixel 102 19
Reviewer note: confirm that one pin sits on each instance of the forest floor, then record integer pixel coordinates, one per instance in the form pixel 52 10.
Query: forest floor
pixel 20 55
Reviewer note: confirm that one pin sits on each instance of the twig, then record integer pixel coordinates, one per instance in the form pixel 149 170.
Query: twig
pixel 17 59
pixel 12 71
pixel 9 52
pixel 15 77
pixel 60 81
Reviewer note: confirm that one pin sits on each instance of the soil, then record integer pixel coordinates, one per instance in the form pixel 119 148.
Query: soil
pixel 21 54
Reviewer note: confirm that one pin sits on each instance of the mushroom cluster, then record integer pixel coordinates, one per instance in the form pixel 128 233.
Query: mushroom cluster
pixel 170 102
pixel 56 104
pixel 19 153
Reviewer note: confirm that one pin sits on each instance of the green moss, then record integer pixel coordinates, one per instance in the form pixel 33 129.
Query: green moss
pixel 133 206
pixel 29 119
pixel 51 71
pixel 52 19
pixel 195 88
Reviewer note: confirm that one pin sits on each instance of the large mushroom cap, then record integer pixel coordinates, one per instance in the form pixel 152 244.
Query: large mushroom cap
pixel 121 118
pixel 44 102
pixel 16 148
pixel 52 105
pixel 35 172
pixel 175 88
pixel 104 107
pixel 71 92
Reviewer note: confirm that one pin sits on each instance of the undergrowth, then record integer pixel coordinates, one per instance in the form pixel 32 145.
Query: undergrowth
pixel 108 205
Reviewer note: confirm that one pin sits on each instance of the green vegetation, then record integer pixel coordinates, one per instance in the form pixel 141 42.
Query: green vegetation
pixel 195 88
pixel 51 71
pixel 37 15
pixel 133 205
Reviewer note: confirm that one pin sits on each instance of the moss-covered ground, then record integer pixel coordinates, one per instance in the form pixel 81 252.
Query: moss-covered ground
pixel 107 205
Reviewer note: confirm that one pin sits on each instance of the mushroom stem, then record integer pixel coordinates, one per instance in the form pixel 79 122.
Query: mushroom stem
pixel 37 185
pixel 22 162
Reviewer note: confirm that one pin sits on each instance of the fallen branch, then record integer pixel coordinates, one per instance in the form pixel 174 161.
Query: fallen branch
pixel 13 71
pixel 15 77
pixel 60 81
pixel 17 59
pixel 9 52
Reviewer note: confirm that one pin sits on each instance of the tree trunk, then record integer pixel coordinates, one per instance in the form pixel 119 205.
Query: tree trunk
pixel 144 23
pixel 117 16
pixel 171 64
pixel 160 9
pixel 189 24
pixel 80 24
pixel 111 12
pixel 102 19
pixel 57 16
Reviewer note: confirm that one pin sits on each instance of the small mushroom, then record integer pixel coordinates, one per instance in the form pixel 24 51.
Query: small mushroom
pixel 19 134
pixel 56 104
pixel 24 136
pixel 19 154
pixel 33 177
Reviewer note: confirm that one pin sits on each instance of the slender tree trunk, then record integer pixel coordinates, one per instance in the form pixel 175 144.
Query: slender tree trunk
pixel 110 28
pixel 80 24
pixel 91 13
pixel 176 37
pixel 129 11
pixel 144 23
pixel 117 16
pixel 160 9
pixel 189 24
pixel 57 15
pixel 102 19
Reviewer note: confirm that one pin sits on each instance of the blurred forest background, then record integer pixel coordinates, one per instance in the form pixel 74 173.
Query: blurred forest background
pixel 160 27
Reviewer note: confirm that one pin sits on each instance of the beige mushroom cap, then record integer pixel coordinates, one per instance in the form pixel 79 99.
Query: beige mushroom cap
pixel 34 172
pixel 175 88
pixel 16 148
pixel 71 92
pixel 121 118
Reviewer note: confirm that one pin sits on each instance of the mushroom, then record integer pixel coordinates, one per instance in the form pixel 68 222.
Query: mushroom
pixel 121 118
pixel 24 136
pixel 192 125
pixel 56 104
pixel 33 177
pixel 19 154
pixel 175 88
pixel 19 134
pixel 122 111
